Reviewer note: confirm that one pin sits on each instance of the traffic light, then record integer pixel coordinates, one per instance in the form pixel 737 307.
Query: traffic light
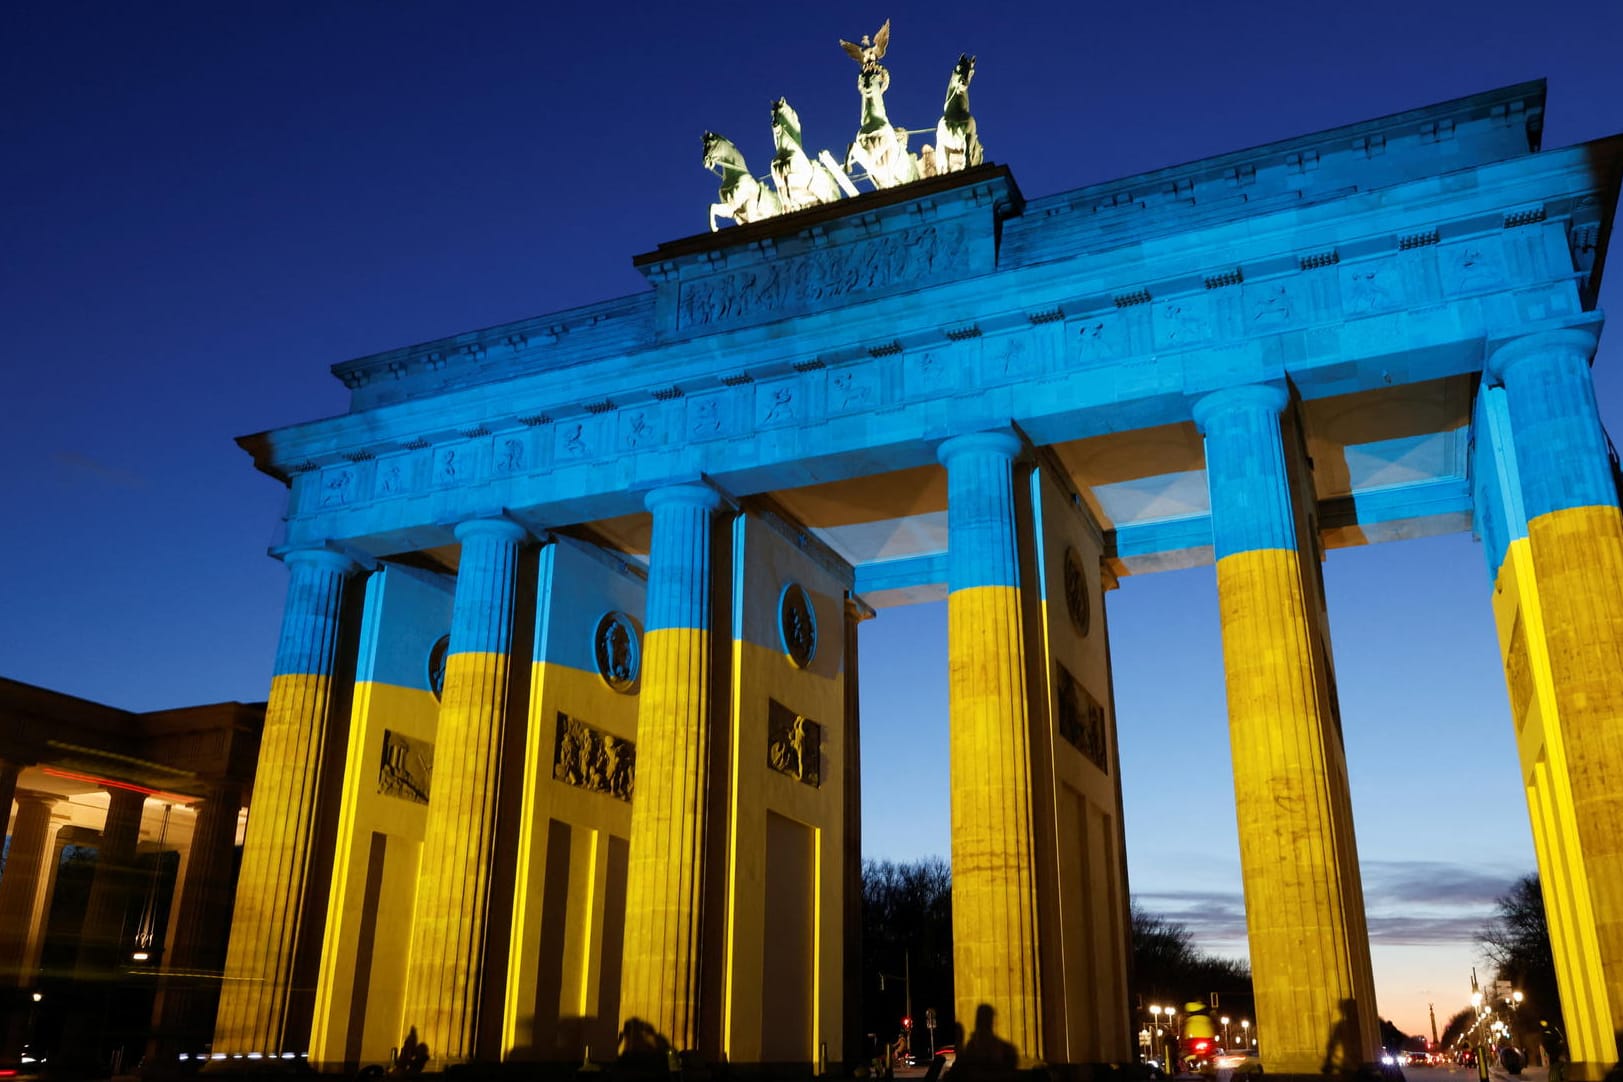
pixel 907 1023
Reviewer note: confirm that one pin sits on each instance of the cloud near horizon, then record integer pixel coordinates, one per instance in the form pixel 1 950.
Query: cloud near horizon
pixel 1407 903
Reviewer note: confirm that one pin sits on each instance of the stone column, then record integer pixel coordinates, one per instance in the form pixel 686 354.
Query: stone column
pixel 184 1012
pixel 665 875
pixel 272 891
pixel 1304 904
pixel 446 968
pixel 854 1050
pixel 996 958
pixel 102 938
pixel 1575 538
pixel 8 792
pixel 19 887
pixel 26 868
pixel 101 935
pixel 49 877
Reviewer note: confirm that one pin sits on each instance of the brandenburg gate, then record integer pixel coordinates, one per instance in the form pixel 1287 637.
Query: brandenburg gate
pixel 562 751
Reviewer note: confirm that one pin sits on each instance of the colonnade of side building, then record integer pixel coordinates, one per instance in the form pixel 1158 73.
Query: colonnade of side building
pixel 110 967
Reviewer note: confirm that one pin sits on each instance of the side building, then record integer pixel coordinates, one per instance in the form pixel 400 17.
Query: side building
pixel 122 838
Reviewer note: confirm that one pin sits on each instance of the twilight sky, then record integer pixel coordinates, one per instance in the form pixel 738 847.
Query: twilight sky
pixel 205 205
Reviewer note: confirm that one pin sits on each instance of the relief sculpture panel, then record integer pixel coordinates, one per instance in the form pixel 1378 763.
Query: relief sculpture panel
pixel 588 758
pixel 1081 720
pixel 794 745
pixel 407 767
pixel 798 283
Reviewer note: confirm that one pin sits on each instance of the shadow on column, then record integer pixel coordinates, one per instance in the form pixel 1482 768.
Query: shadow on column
pixel 985 1054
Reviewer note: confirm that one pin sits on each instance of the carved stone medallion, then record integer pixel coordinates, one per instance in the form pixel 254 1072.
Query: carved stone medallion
pixel 407 767
pixel 436 665
pixel 618 652
pixel 797 625
pixel 591 759
pixel 1077 603
pixel 794 745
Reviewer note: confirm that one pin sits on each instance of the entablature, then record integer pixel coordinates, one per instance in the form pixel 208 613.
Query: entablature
pixel 1244 295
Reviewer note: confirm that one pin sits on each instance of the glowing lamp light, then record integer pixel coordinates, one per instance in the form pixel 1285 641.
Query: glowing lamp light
pixel 140 956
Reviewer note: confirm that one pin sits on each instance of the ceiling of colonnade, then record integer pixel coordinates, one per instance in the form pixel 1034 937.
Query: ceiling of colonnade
pixel 1387 464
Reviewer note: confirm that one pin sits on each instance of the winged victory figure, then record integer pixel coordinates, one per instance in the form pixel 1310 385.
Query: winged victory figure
pixel 869 53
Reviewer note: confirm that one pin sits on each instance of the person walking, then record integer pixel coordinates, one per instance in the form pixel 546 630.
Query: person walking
pixel 1555 1049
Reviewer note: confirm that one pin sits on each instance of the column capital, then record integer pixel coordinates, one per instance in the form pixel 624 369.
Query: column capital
pixel 1001 443
pixel 693 495
pixel 497 527
pixel 35 796
pixel 123 794
pixel 1571 341
pixel 322 557
pixel 1267 397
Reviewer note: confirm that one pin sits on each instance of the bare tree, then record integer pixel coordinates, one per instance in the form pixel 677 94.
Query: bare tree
pixel 1516 943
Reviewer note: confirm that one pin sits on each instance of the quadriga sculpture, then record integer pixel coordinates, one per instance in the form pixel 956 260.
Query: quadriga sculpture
pixel 741 197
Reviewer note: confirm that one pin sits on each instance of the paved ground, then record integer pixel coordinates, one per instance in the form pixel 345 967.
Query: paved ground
pixel 1410 1074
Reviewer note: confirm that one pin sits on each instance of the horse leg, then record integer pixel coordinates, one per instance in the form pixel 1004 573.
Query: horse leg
pixel 718 208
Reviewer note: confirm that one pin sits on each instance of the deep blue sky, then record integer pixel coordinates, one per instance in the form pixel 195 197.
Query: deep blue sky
pixel 205 205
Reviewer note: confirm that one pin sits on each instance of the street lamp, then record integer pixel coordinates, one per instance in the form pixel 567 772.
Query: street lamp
pixel 1245 1033
pixel 1164 1036
pixel 1225 1021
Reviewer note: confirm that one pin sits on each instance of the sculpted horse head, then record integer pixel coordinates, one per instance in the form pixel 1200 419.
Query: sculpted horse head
pixel 880 147
pixel 741 198
pixel 872 84
pixel 958 146
pixel 785 126
pixel 958 81
pixel 719 151
pixel 801 180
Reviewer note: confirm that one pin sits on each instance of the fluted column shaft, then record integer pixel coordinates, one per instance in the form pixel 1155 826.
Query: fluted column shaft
pixel 1575 535
pixel 996 960
pixel 446 969
pixel 1304 904
pixel 854 1050
pixel 272 887
pixel 19 886
pixel 665 877
pixel 184 1009
pixel 101 933
pixel 9 772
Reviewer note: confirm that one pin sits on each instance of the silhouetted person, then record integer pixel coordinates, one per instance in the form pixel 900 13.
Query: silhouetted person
pixel 985 1054
pixel 643 1049
pixel 413 1055
pixel 1341 1053
pixel 1510 1058
pixel 1555 1049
